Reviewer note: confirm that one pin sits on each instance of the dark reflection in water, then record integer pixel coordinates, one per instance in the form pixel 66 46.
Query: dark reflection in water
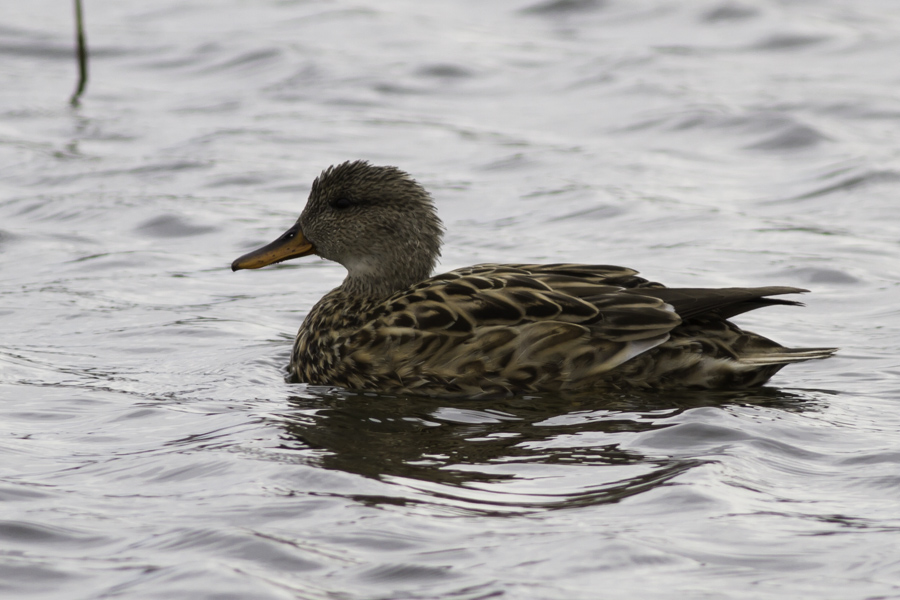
pixel 455 447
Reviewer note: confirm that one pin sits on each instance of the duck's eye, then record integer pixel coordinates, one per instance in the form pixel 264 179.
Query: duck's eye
pixel 342 202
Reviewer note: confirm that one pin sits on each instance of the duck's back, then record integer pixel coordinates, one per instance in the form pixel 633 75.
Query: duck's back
pixel 506 329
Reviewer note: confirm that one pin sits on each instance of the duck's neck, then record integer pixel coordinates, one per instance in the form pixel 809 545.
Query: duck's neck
pixel 377 280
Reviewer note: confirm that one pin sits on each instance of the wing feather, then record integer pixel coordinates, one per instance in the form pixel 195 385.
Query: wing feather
pixel 532 326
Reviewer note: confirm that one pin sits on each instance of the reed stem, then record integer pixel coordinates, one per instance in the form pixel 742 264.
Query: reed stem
pixel 82 55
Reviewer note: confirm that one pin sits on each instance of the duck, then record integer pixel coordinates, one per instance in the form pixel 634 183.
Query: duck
pixel 499 329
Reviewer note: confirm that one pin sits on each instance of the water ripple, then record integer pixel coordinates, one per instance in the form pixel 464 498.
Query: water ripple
pixel 149 445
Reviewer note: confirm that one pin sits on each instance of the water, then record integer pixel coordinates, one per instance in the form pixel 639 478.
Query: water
pixel 149 447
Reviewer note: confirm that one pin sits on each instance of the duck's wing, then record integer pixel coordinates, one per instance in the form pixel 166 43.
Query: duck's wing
pixel 721 302
pixel 592 296
pixel 561 276
pixel 580 281
pixel 520 327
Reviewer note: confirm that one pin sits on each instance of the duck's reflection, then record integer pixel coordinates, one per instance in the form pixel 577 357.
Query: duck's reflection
pixel 504 453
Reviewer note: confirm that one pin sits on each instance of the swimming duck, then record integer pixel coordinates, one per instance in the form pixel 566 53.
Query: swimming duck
pixel 498 329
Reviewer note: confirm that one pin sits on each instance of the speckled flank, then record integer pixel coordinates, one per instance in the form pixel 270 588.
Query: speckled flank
pixel 505 329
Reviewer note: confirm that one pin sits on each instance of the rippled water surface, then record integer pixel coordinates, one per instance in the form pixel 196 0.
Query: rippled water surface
pixel 149 446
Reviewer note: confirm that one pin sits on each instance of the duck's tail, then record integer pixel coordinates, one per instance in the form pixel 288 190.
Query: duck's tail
pixel 785 356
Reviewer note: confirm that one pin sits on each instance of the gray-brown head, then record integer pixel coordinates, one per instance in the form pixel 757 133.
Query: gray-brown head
pixel 376 221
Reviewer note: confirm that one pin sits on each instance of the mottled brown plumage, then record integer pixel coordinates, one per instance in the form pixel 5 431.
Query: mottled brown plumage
pixel 498 329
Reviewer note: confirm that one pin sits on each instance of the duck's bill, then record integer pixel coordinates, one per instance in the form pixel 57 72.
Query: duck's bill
pixel 290 245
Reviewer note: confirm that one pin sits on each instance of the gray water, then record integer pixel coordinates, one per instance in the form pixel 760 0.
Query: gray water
pixel 149 446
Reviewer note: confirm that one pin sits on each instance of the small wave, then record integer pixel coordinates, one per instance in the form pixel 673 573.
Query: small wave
pixel 169 226
pixel 248 61
pixel 770 130
pixel 820 275
pixel 445 71
pixel 25 533
pixel 850 182
pixel 788 41
pixel 730 11
pixel 564 7
pixel 793 136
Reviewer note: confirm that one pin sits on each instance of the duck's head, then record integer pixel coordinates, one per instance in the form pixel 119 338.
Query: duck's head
pixel 375 221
